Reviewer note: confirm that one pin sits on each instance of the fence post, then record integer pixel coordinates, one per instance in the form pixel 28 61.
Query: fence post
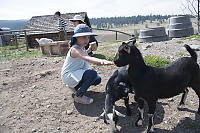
pixel 26 40
pixel 116 35
pixel 16 42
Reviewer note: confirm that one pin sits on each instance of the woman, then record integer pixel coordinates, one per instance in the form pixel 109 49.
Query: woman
pixel 75 72
pixel 93 44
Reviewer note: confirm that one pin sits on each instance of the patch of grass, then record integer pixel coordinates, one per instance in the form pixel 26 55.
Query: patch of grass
pixel 180 54
pixel 197 37
pixel 107 50
pixel 156 61
pixel 13 52
pixel 17 54
pixel 100 56
pixel 179 42
pixel 136 44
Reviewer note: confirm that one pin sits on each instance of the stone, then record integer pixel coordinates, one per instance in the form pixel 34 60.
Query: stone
pixel 195 47
pixel 69 112
pixel 171 99
pixel 33 130
pixel 33 87
pixel 48 106
pixel 5 83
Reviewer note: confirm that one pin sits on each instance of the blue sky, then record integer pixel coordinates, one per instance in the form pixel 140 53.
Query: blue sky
pixel 25 9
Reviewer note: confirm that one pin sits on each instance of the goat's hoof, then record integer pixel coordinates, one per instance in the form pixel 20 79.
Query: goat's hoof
pixel 139 123
pixel 150 130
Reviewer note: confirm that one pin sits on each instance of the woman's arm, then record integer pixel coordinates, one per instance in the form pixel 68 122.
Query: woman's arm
pixel 78 53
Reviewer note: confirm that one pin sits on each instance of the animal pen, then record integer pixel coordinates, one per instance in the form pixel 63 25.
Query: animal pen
pixel 39 27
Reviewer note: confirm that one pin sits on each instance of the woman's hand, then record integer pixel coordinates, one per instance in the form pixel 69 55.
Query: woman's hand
pixel 89 49
pixel 77 52
pixel 106 62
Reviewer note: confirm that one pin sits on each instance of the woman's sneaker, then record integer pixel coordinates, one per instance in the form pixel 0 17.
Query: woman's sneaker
pixel 83 100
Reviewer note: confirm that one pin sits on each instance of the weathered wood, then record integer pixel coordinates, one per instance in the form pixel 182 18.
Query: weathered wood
pixel 26 40
pixel 16 42
pixel 58 48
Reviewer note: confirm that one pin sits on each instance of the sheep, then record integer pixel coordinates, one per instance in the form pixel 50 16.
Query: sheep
pixel 152 83
pixel 44 41
pixel 118 87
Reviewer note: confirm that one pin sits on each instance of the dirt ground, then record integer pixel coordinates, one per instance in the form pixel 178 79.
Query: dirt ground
pixel 33 99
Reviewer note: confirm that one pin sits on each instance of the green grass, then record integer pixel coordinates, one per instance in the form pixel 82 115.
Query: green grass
pixel 19 54
pixel 197 37
pixel 156 61
pixel 180 54
pixel 107 50
pixel 12 52
pixel 179 42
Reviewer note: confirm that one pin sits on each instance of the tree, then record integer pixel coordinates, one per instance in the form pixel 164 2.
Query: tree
pixel 193 7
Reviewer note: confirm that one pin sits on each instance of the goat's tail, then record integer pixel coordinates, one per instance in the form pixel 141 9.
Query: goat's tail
pixel 192 52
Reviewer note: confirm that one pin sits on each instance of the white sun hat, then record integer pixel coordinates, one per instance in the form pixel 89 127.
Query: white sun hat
pixel 77 18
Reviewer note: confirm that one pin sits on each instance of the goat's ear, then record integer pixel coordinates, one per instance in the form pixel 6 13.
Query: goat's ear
pixel 127 48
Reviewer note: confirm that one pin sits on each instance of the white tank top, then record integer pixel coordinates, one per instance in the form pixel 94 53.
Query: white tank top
pixel 73 69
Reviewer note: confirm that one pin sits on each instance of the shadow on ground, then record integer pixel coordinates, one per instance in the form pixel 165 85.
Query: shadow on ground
pixel 100 56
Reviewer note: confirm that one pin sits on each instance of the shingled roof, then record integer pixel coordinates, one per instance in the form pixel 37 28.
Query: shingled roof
pixel 49 23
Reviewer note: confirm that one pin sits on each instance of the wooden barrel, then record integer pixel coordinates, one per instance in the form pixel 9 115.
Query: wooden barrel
pixel 153 35
pixel 179 26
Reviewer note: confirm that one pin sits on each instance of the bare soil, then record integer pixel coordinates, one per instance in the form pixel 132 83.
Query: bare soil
pixel 33 99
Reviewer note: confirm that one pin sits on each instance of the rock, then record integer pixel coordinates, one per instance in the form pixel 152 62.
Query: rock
pixel 56 62
pixel 58 128
pixel 46 72
pixel 69 112
pixel 33 87
pixel 5 70
pixel 48 106
pixel 5 83
pixel 195 47
pixel 22 96
pixel 172 57
pixel 170 99
pixel 33 130
pixel 42 64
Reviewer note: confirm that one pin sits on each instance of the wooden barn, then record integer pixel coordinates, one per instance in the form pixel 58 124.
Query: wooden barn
pixel 46 27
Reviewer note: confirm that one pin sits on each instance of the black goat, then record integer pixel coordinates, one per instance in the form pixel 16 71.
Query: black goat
pixel 118 87
pixel 151 83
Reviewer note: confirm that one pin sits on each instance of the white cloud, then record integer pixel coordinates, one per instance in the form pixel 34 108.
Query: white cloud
pixel 23 9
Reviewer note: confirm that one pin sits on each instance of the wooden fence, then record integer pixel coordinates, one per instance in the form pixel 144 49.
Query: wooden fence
pixel 18 34
pixel 116 32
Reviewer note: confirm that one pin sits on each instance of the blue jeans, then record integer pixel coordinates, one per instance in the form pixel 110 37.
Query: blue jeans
pixel 90 77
